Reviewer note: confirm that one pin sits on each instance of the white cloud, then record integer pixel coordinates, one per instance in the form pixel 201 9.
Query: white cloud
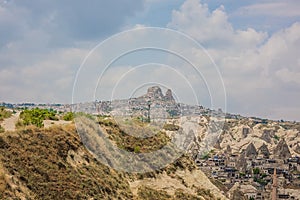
pixel 212 28
pixel 49 79
pixel 260 71
pixel 288 76
pixel 288 8
pixel 257 69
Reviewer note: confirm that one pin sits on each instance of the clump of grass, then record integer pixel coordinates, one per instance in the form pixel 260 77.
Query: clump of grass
pixel 132 143
pixel 276 137
pixel 181 195
pixel 4 113
pixel 2 130
pixel 206 193
pixel 2 180
pixel 147 193
pixel 171 127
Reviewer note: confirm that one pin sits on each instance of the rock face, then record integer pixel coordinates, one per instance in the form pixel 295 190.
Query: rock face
pixel 154 93
pixel 264 151
pixel 241 163
pixel 282 150
pixel 228 150
pixel 169 96
pixel 266 136
pixel 297 149
pixel 245 132
pixel 250 151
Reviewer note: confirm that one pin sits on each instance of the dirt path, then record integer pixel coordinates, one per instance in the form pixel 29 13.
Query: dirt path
pixel 9 124
pixel 49 123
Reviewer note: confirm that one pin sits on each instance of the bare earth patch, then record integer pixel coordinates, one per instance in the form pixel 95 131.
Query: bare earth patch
pixel 9 124
pixel 49 123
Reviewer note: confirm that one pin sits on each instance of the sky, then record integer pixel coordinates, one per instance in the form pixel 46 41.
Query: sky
pixel 254 46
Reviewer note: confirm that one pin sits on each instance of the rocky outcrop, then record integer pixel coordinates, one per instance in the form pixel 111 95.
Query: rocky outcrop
pixel 297 148
pixel 266 136
pixel 169 96
pixel 282 150
pixel 228 150
pixel 264 151
pixel 241 163
pixel 250 151
pixel 154 93
pixel 245 132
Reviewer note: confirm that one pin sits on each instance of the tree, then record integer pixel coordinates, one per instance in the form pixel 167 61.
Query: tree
pixel 256 170
pixel 36 116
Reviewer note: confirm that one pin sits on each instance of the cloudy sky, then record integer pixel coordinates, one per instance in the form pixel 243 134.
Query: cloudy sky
pixel 255 45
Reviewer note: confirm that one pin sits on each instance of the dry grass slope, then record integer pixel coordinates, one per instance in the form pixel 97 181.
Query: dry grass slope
pixel 39 160
pixel 39 163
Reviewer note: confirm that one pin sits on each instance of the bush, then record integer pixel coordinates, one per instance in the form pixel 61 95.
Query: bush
pixel 276 137
pixel 206 193
pixel 36 117
pixel 205 156
pixel 171 127
pixel 4 113
pixel 69 116
pixel 19 124
pixel 256 171
pixel 1 129
pixel 137 149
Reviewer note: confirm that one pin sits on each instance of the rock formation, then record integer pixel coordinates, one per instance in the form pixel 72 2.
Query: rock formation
pixel 154 93
pixel 228 150
pixel 264 151
pixel 282 150
pixel 297 148
pixel 266 136
pixel 250 151
pixel 169 96
pixel 245 132
pixel 241 163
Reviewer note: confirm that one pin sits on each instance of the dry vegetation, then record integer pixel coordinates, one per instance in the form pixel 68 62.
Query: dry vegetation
pixel 39 163
pixel 131 143
pixel 4 113
pixel 39 160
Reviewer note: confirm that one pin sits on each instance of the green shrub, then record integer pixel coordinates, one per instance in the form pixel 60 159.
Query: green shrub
pixel 69 116
pixel 4 113
pixel 36 117
pixel 276 137
pixel 137 149
pixel 1 129
pixel 205 156
pixel 256 171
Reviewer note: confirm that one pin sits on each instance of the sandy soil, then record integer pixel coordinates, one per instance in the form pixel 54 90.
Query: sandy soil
pixel 164 182
pixel 48 123
pixel 9 124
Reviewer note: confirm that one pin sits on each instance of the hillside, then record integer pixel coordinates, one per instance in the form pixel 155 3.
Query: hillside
pixel 52 163
pixel 157 148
